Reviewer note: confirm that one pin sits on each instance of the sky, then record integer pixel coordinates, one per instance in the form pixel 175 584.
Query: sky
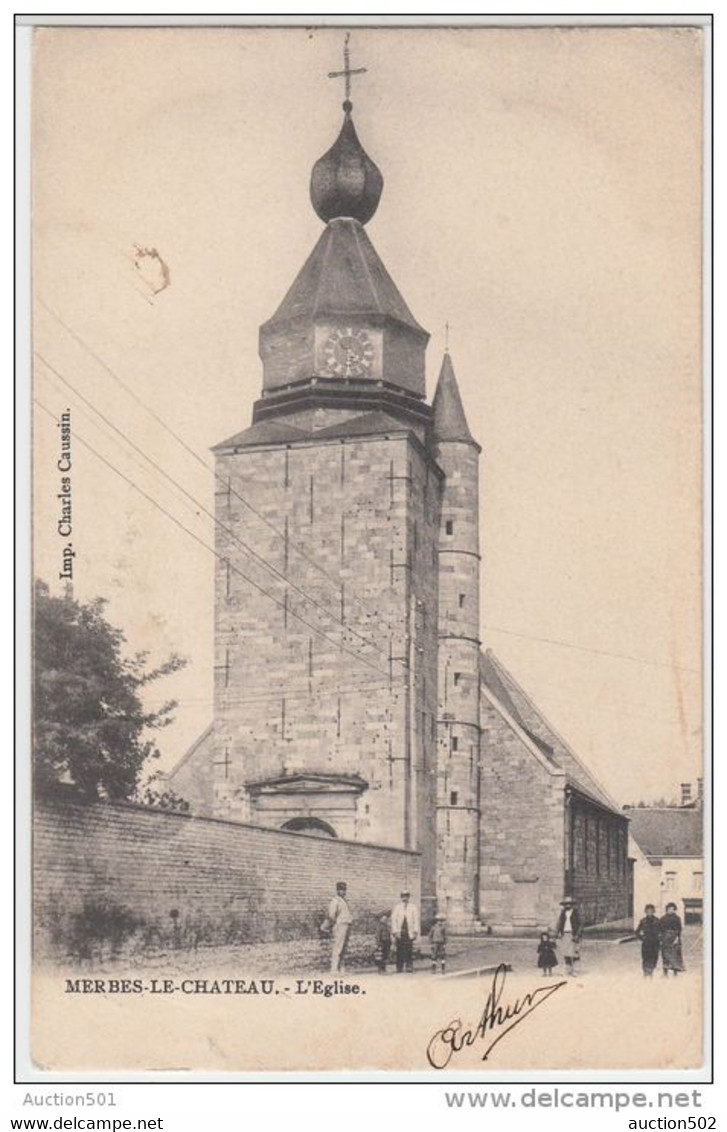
pixel 541 194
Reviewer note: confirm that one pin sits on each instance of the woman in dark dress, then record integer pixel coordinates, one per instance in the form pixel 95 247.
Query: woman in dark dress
pixel 649 932
pixel 671 940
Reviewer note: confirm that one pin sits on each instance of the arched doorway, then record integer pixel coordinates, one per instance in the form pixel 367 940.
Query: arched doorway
pixel 310 825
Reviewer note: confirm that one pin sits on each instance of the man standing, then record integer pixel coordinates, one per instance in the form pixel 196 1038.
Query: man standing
pixel 340 919
pixel 405 929
pixel 569 930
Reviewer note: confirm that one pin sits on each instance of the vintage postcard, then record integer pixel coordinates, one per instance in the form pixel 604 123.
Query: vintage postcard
pixel 367 522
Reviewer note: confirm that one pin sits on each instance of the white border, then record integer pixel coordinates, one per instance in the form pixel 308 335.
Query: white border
pixel 28 1073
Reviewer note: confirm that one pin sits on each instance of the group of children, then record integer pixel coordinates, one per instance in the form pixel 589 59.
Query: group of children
pixel 437 943
pixel 547 958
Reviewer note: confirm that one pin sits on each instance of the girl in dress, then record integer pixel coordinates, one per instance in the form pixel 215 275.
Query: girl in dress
pixel 547 959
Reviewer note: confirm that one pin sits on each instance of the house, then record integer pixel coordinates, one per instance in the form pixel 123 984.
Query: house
pixel 666 844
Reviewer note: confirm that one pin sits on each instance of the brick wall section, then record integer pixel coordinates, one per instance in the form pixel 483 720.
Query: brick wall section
pixel 522 833
pixel 111 863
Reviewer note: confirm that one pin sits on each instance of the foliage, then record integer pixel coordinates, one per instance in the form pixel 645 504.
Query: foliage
pixel 160 799
pixel 91 729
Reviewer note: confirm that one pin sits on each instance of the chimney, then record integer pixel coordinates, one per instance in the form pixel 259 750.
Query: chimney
pixel 686 793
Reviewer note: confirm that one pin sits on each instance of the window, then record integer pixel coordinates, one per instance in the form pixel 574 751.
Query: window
pixel 449 527
pixel 461 600
pixel 455 743
pixel 697 882
pixel 453 798
pixel 670 882
pixel 457 677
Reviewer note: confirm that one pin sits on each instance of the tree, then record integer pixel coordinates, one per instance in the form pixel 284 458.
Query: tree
pixel 91 730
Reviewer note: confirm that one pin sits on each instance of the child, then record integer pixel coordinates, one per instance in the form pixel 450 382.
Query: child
pixel 438 942
pixel 547 958
pixel 383 944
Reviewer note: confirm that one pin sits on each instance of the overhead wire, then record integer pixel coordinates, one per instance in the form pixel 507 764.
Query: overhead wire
pixel 195 455
pixel 329 613
pixel 220 557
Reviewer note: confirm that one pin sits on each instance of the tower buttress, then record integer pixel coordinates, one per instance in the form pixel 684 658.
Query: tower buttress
pixel 458 726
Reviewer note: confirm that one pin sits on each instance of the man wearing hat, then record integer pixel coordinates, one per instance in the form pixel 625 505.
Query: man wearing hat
pixel 340 919
pixel 569 930
pixel 405 929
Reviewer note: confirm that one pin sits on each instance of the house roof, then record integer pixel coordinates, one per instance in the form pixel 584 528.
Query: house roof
pixel 669 831
pixel 530 719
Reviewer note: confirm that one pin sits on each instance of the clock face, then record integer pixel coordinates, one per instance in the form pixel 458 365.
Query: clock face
pixel 348 352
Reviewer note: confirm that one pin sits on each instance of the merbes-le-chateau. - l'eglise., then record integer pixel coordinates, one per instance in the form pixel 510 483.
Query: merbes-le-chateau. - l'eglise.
pixel 353 698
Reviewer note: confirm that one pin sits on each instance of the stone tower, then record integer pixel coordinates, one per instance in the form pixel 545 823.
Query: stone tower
pixel 458 727
pixel 328 543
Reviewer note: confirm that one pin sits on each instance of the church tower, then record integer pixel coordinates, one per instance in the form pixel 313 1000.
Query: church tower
pixel 352 697
pixel 328 543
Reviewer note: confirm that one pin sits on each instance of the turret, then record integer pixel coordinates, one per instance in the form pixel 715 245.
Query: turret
pixel 458 725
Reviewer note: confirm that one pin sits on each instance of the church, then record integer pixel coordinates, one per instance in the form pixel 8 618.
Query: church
pixel 353 696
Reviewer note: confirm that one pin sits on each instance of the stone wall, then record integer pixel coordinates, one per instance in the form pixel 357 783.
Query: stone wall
pixel 106 872
pixel 522 835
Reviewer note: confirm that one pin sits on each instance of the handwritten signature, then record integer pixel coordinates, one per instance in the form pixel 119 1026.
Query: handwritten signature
pixel 496 1018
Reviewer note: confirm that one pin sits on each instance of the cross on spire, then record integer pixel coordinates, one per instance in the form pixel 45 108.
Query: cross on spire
pixel 446 337
pixel 347 72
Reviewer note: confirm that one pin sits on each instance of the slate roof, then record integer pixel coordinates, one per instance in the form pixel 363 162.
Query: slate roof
pixel 669 831
pixel 364 425
pixel 264 432
pixel 277 431
pixel 518 704
pixel 344 276
pixel 450 422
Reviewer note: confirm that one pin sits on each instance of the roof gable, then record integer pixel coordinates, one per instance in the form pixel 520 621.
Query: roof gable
pixel 519 705
pixel 309 784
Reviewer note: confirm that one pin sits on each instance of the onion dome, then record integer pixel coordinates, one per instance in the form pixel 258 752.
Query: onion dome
pixel 345 181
